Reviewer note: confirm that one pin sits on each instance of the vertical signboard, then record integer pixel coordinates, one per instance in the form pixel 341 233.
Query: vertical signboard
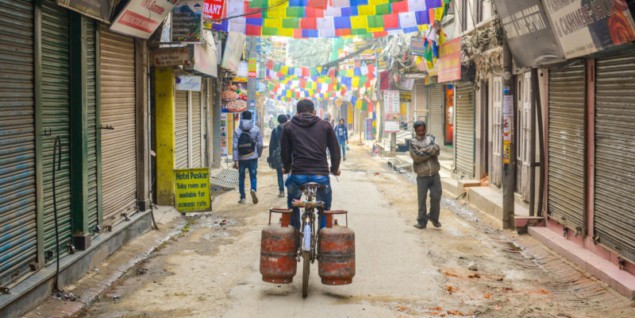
pixel 192 190
pixel 139 18
pixel 392 109
pixel 223 134
pixel 449 65
pixel 508 124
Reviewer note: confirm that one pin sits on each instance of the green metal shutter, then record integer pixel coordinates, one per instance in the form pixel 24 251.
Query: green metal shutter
pixel 614 217
pixel 566 148
pixel 465 130
pixel 91 112
pixel 18 237
pixel 56 121
pixel 197 161
pixel 180 130
pixel 117 111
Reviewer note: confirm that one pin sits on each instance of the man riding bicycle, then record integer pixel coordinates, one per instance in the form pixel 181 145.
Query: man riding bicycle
pixel 305 140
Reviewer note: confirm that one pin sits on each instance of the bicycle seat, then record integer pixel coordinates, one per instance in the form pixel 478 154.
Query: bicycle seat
pixel 311 184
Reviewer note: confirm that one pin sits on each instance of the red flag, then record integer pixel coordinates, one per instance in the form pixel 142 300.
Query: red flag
pixel 213 9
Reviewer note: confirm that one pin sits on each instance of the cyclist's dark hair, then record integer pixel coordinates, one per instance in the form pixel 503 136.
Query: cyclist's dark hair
pixel 420 123
pixel 305 106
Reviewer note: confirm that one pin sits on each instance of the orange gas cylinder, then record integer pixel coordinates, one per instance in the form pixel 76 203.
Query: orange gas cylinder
pixel 278 250
pixel 336 252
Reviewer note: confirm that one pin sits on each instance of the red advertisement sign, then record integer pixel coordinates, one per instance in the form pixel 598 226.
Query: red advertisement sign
pixel 213 10
pixel 450 61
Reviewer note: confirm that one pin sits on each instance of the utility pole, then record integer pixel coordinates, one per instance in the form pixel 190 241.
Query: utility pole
pixel 509 151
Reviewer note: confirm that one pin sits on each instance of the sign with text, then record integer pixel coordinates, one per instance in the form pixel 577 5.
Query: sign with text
pixel 391 102
pixel 188 83
pixel 405 96
pixel 192 190
pixel 417 46
pixel 173 56
pixel 252 68
pixel 583 27
pixel 450 61
pixel 96 9
pixel 528 32
pixel 213 10
pixel 187 22
pixel 391 126
pixel 139 18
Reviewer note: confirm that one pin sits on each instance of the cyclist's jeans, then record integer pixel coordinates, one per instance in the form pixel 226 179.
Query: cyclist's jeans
pixel 294 192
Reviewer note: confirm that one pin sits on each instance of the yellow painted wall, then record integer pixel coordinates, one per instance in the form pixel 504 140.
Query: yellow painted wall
pixel 230 135
pixel 164 130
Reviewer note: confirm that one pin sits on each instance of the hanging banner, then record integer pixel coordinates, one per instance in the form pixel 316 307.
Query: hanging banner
pixel 96 9
pixel 391 102
pixel 529 34
pixel 405 96
pixel 585 27
pixel 205 59
pixel 233 51
pixel 192 190
pixel 139 18
pixel 213 10
pixel 508 125
pixel 252 67
pixel 369 130
pixel 449 64
pixel 234 97
pixel 417 46
pixel 187 21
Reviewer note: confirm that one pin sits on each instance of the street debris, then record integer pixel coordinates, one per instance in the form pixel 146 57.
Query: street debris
pixel 65 296
pixel 473 267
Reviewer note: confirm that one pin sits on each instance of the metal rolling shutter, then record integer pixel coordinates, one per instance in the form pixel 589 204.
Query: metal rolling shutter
pixel 56 122
pixel 435 123
pixel 566 146
pixel 117 110
pixel 180 131
pixel 18 241
pixel 465 130
pixel 91 112
pixel 614 153
pixel 197 160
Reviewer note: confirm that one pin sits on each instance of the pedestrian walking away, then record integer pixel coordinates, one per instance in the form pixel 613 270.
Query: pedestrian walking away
pixel 424 151
pixel 274 159
pixel 248 148
pixel 304 144
pixel 341 131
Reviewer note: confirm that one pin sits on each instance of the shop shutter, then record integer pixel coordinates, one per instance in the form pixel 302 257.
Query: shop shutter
pixel 56 123
pixel 197 161
pixel 436 122
pixel 614 153
pixel 117 117
pixel 496 133
pixel 180 131
pixel 18 239
pixel 566 146
pixel 91 116
pixel 465 130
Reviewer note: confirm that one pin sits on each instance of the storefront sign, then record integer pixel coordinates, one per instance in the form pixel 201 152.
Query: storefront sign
pixel 529 34
pixel 405 96
pixel 140 18
pixel 192 190
pixel 223 134
pixel 450 61
pixel 585 27
pixel 96 9
pixel 417 46
pixel 252 68
pixel 508 125
pixel 188 83
pixel 234 97
pixel 187 21
pixel 233 51
pixel 391 102
pixel 173 56
pixel 213 10
pixel 391 126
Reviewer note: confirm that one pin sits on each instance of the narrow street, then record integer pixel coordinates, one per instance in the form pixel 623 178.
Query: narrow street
pixel 212 269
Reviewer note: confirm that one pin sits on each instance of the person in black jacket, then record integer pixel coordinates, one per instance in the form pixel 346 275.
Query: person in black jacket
pixel 275 160
pixel 305 140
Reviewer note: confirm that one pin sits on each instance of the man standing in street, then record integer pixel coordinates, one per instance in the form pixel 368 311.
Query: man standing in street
pixel 341 131
pixel 425 152
pixel 248 147
pixel 275 160
pixel 305 141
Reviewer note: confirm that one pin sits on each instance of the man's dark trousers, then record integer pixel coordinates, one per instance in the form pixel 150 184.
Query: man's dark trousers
pixel 433 184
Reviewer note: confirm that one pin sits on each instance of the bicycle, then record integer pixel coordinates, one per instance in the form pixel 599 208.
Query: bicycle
pixel 307 251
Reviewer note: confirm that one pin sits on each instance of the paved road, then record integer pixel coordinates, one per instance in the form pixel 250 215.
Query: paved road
pixel 212 270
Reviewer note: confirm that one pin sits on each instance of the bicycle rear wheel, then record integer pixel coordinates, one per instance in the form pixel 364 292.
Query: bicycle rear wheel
pixel 306 263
